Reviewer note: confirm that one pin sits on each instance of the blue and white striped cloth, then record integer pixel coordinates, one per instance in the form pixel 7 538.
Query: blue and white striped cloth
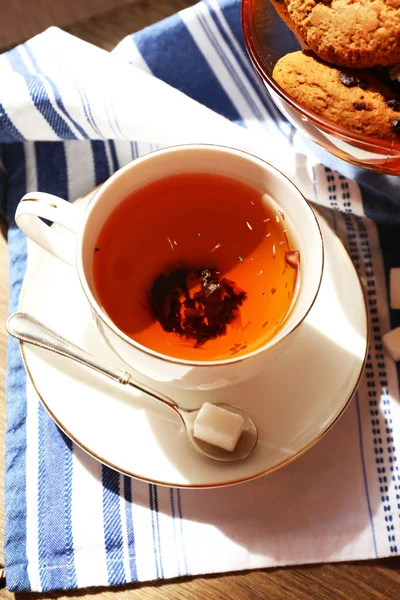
pixel 70 115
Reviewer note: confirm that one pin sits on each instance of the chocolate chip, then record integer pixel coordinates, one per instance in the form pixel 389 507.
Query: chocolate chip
pixel 393 103
pixel 349 80
pixel 359 105
pixel 396 126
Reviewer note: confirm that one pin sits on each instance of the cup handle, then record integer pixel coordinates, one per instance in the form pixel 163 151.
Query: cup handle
pixel 38 205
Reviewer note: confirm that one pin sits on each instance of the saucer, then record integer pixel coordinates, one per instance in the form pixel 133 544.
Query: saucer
pixel 293 401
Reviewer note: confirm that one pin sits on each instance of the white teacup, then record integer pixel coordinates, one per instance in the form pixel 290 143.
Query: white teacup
pixel 157 165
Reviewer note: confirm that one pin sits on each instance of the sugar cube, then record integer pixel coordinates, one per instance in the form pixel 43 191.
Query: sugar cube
pixel 391 341
pixel 218 426
pixel 395 288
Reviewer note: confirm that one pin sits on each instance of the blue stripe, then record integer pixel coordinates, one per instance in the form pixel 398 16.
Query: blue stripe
pixel 172 502
pixel 112 527
pixel 3 176
pixel 232 16
pixel 389 241
pixel 379 401
pixel 178 522
pixel 173 56
pixel 155 549
pixel 114 158
pixel 51 168
pixel 68 531
pixel 87 108
pixel 85 104
pixel 155 523
pixel 367 497
pixel 178 492
pixel 101 166
pixel 15 180
pixel 387 215
pixel 16 561
pixel 56 556
pixel 234 76
pixel 121 133
pixel 40 97
pixel 110 121
pixel 130 528
pixel 116 122
pixel 134 150
pixel 361 250
pixel 381 208
pixel 8 131
pixel 229 67
pixel 350 221
pixel 56 567
pixel 389 238
pixel 57 95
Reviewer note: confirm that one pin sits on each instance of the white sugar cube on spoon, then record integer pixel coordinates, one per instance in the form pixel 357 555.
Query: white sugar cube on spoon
pixel 218 426
pixel 395 288
pixel 391 341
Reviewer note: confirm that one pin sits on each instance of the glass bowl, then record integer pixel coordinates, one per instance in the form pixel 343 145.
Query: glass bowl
pixel 267 39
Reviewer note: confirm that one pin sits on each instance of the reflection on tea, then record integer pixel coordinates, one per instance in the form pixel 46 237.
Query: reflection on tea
pixel 197 266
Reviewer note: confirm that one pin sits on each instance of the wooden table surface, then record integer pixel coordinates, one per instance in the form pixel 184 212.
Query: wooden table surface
pixel 351 581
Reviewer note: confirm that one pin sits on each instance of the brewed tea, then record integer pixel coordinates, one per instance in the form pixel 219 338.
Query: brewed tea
pixel 197 266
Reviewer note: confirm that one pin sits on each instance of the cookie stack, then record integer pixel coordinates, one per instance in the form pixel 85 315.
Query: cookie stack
pixel 349 72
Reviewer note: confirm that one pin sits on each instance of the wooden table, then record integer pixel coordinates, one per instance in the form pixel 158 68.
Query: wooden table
pixel 351 581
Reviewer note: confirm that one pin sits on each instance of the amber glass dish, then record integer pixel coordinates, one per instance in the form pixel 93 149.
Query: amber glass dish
pixel 267 39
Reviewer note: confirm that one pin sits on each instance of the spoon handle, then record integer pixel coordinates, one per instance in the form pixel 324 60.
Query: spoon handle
pixel 27 329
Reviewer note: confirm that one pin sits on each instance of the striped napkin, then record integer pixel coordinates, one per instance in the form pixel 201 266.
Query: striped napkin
pixel 70 115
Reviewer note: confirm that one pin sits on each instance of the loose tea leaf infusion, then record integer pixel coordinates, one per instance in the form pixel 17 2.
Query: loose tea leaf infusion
pixel 197 267
pixel 195 303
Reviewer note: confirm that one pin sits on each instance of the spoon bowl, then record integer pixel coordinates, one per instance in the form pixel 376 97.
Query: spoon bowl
pixel 244 447
pixel 28 329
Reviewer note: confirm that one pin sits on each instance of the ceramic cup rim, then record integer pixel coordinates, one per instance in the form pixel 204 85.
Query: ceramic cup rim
pixel 104 317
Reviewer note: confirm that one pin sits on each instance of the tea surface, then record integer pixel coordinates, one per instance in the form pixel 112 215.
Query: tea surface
pixel 189 223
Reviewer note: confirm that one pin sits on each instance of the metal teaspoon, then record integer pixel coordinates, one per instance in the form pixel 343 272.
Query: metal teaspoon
pixel 27 329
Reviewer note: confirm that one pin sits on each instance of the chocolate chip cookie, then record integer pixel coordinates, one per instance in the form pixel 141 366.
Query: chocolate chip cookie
pixel 350 33
pixel 353 98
